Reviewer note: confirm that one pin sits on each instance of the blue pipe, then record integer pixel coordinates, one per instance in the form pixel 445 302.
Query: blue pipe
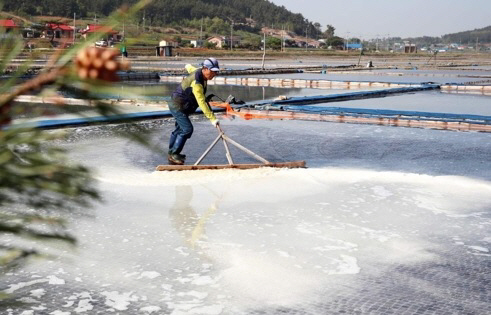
pixel 352 95
pixel 478 119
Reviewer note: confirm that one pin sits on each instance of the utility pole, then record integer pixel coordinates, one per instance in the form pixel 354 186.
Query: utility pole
pixel 201 30
pixel 347 41
pixel 232 35
pixel 283 38
pixel 359 57
pixel 74 29
pixel 307 37
pixel 264 49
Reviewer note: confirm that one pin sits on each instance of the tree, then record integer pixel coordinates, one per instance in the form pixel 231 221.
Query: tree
pixel 317 27
pixel 177 39
pixel 218 26
pixel 273 43
pixel 335 42
pixel 329 31
pixel 249 41
pixel 38 184
pixel 166 12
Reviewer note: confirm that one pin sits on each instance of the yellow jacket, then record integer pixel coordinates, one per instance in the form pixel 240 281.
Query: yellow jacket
pixel 191 93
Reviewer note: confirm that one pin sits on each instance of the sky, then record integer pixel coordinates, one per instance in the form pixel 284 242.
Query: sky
pixel 391 18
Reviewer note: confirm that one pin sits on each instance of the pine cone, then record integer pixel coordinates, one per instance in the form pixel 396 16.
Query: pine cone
pixel 99 63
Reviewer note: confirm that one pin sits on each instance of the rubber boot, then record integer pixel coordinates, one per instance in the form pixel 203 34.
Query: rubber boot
pixel 174 157
pixel 181 156
pixel 172 140
pixel 179 144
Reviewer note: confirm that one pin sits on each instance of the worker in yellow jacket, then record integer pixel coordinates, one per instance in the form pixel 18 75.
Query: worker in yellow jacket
pixel 188 96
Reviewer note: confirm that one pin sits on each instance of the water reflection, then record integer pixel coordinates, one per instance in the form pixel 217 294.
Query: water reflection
pixel 251 93
pixel 186 220
pixel 245 93
pixel 162 91
pixel 157 91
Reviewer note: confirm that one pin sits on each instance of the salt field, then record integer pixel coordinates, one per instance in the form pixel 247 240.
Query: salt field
pixel 385 220
pixel 411 77
pixel 426 101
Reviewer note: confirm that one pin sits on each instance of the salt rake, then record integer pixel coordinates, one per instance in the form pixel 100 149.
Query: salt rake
pixel 226 140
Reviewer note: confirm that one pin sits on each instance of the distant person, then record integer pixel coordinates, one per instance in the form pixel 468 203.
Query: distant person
pixel 123 50
pixel 188 96
pixel 370 64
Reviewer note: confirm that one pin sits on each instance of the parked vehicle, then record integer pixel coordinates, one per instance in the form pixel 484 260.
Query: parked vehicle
pixel 101 43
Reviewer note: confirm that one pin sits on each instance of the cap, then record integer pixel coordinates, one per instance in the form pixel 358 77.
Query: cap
pixel 212 64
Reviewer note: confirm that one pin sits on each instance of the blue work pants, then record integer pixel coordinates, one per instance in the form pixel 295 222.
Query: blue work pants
pixel 183 131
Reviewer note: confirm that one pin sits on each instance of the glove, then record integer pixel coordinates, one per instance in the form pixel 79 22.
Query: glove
pixel 209 97
pixel 215 123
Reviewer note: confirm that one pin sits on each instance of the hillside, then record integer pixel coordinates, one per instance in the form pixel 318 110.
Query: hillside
pixel 246 14
pixel 482 35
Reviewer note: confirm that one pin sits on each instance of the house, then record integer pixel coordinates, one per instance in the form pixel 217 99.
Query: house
pixel 276 32
pixel 410 48
pixel 313 44
pixel 221 41
pixel 8 25
pixel 58 32
pixel 300 43
pixel 170 43
pixel 217 40
pixel 250 22
pixel 107 33
pixel 164 49
pixel 197 43
pixel 235 40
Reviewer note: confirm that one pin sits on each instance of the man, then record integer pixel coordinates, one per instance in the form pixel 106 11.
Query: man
pixel 188 96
